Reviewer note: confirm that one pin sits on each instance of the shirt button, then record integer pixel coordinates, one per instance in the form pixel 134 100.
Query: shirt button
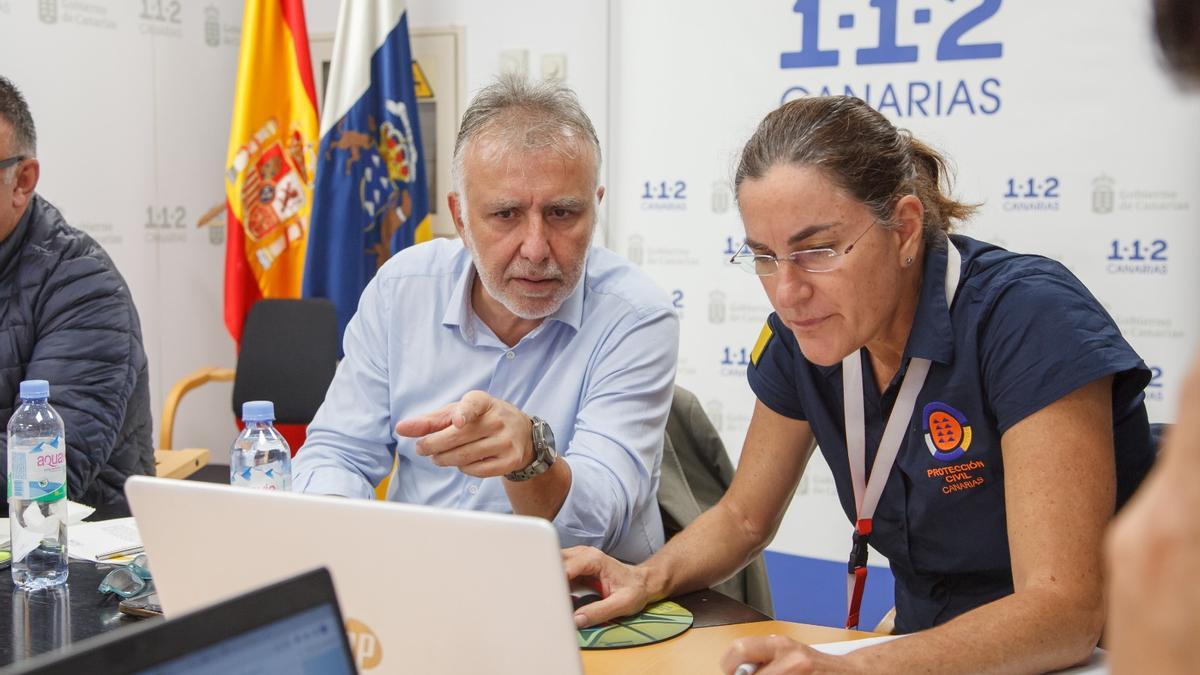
pixel 510 356
pixel 474 489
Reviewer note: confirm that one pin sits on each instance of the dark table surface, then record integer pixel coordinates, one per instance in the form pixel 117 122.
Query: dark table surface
pixel 45 620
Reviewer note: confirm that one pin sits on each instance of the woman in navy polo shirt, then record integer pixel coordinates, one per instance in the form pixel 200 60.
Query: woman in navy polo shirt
pixel 980 412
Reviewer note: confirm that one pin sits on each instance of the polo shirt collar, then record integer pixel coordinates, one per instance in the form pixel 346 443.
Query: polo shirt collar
pixel 932 334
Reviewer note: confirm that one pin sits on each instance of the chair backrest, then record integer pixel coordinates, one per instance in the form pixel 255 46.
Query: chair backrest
pixel 696 471
pixel 289 354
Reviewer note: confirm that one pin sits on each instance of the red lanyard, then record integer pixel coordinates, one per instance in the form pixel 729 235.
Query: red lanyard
pixel 868 489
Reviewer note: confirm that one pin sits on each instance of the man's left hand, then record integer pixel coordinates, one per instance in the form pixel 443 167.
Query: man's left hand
pixel 480 435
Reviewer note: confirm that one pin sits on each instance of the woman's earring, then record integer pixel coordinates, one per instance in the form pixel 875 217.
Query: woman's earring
pixel 908 261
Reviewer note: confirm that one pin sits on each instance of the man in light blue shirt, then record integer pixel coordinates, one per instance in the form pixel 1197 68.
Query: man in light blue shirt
pixel 519 370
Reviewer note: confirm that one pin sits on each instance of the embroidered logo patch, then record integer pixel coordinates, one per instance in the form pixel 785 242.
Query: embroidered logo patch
pixel 947 433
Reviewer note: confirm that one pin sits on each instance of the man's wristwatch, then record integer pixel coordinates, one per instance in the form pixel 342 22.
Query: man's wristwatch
pixel 544 453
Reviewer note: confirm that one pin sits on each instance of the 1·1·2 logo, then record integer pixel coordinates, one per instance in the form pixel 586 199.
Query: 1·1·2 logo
pixel 163 11
pixel 952 44
pixel 1032 188
pixel 165 217
pixel 1136 250
pixel 736 356
pixel 664 190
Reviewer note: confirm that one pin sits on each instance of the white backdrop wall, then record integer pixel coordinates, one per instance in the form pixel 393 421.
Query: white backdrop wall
pixel 1070 135
pixel 132 106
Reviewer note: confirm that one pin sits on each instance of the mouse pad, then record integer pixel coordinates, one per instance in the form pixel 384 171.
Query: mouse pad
pixel 658 622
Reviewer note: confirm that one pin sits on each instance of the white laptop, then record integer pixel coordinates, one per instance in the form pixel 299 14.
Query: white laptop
pixel 422 590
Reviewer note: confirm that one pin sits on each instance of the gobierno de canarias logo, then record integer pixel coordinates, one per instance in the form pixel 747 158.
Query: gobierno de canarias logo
pixel 947 433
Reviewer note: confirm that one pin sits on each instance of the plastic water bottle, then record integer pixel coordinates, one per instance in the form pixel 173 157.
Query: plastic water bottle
pixel 37 490
pixel 260 457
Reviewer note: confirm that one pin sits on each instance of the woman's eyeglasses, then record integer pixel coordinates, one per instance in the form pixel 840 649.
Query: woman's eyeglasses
pixel 809 260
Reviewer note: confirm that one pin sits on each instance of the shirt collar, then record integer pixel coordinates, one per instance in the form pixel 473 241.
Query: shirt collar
pixel 458 308
pixel 932 334
pixel 571 311
pixel 459 312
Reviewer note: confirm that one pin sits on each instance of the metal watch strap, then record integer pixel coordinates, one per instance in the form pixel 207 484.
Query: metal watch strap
pixel 543 452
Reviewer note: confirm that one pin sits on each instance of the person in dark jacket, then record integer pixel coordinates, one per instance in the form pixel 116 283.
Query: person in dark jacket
pixel 66 316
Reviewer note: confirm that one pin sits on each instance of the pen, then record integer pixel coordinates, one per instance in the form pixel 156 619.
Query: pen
pixel 746 669
pixel 128 550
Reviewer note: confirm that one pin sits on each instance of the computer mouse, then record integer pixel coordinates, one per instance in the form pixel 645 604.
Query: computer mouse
pixel 582 594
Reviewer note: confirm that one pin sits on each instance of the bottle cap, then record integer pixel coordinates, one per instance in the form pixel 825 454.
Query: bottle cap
pixel 258 411
pixel 34 389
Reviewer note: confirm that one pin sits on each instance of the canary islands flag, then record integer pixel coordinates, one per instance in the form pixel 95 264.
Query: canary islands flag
pixel 370 193
pixel 271 158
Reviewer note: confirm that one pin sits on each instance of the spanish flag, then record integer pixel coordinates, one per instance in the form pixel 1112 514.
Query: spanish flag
pixel 271 159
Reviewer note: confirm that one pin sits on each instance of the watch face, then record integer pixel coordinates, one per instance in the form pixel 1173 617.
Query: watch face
pixel 548 439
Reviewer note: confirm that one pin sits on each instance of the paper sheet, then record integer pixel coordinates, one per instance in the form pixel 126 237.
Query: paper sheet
pixel 75 514
pixel 1095 666
pixel 840 648
pixel 88 540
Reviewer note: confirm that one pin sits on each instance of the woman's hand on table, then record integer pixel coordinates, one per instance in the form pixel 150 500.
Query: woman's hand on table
pixel 780 655
pixel 623 588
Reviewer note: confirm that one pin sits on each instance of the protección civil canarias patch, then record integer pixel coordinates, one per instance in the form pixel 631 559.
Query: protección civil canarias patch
pixel 947 432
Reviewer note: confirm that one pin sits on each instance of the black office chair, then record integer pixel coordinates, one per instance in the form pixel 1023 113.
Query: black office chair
pixel 289 354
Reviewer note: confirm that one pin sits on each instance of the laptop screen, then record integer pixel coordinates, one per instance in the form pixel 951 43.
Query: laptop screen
pixel 290 626
pixel 310 643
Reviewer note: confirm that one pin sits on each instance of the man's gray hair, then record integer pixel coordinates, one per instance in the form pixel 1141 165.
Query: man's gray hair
pixel 15 111
pixel 524 114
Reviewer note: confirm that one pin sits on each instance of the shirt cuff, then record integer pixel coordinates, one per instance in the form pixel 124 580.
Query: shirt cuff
pixel 332 480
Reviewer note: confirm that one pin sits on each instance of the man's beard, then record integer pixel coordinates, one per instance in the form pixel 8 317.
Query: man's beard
pixel 522 305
